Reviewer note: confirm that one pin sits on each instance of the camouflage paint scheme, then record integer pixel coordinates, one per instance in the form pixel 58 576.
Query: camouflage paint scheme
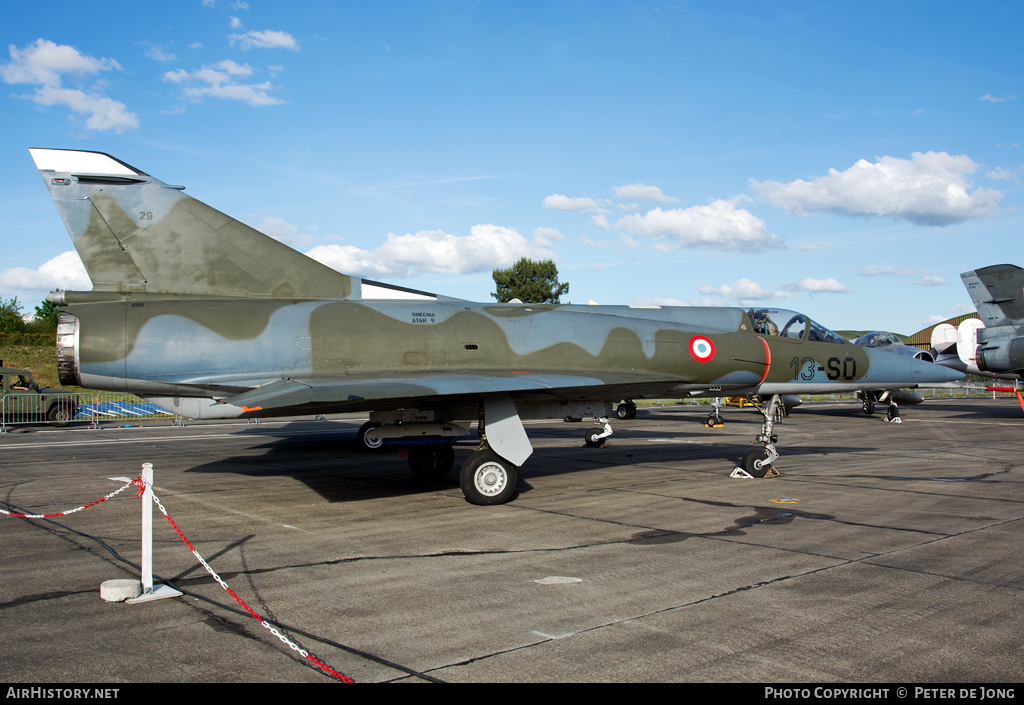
pixel 188 302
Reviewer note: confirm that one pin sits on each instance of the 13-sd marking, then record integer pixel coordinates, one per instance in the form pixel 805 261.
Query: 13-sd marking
pixel 836 368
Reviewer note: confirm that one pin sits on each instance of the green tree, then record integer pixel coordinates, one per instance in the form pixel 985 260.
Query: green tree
pixel 10 316
pixel 529 281
pixel 45 320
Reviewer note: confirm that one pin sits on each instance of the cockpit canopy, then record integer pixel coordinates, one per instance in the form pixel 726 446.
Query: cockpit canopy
pixel 878 339
pixel 790 324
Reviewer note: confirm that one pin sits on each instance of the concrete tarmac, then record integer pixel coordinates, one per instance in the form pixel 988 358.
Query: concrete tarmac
pixel 883 553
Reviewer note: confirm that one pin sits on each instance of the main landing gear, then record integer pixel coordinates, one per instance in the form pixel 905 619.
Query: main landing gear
pixel 487 479
pixel 868 401
pixel 758 462
pixel 626 410
pixel 431 462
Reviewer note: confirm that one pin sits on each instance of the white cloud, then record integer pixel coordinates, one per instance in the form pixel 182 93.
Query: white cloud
pixel 962 308
pixel 235 24
pixel 992 99
pixel 45 63
pixel 222 81
pixel 887 270
pixel 594 265
pixel 600 221
pixel 932 320
pixel 928 280
pixel 564 203
pixel 810 246
pixel 645 302
pixel 583 240
pixel 816 286
pixel 640 192
pixel 265 39
pixel 744 290
pixel 929 189
pixel 1006 174
pixel 485 248
pixel 65 271
pixel 155 52
pixel 719 225
pixel 543 237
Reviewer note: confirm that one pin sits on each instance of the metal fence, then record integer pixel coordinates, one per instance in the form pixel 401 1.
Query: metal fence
pixel 64 409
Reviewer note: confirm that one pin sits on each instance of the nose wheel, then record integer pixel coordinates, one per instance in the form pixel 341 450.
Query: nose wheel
pixel 758 461
pixel 715 417
pixel 594 438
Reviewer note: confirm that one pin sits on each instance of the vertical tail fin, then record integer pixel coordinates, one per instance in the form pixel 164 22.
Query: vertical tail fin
pixel 998 294
pixel 136 233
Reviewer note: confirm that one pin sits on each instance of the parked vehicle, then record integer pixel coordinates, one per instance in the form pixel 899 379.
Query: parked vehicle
pixel 25 401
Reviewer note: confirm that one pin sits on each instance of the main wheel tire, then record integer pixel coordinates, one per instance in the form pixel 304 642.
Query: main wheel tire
pixel 367 444
pixel 431 462
pixel 60 414
pixel 753 462
pixel 868 404
pixel 487 479
pixel 626 411
pixel 591 438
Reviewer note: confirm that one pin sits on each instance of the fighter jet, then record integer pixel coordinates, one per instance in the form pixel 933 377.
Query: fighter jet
pixel 890 342
pixel 212 318
pixel 992 344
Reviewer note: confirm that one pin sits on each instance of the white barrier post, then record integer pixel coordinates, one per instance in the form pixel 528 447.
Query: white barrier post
pixel 149 593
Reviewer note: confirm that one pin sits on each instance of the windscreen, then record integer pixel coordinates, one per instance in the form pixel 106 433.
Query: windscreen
pixel 790 324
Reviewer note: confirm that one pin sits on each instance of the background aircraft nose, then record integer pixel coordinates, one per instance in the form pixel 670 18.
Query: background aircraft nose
pixel 889 367
pixel 933 373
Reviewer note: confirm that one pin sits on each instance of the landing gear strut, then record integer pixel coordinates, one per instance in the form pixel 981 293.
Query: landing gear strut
pixel 758 462
pixel 715 417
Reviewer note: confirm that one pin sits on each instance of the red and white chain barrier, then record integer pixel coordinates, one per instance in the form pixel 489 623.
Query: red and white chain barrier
pixel 140 482
pixel 136 481
pixel 295 647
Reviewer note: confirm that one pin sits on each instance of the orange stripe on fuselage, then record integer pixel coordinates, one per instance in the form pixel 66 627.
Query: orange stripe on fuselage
pixel 767 360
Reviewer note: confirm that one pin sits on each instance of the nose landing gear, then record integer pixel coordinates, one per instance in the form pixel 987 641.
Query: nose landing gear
pixel 758 461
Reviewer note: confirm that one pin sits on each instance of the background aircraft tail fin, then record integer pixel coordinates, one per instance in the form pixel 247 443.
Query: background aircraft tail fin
pixel 998 294
pixel 136 233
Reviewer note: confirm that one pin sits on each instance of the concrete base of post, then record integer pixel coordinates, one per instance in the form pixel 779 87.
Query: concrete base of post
pixel 120 590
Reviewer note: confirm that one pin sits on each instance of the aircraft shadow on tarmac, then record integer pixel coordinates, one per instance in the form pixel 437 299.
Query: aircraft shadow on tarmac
pixel 329 461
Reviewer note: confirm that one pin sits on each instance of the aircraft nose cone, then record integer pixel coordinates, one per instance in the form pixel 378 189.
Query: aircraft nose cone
pixel 889 367
pixel 925 372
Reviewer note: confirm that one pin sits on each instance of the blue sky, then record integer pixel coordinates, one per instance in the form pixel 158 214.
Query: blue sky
pixel 848 160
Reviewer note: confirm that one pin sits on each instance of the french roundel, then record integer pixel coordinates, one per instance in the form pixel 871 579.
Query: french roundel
pixel 701 348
